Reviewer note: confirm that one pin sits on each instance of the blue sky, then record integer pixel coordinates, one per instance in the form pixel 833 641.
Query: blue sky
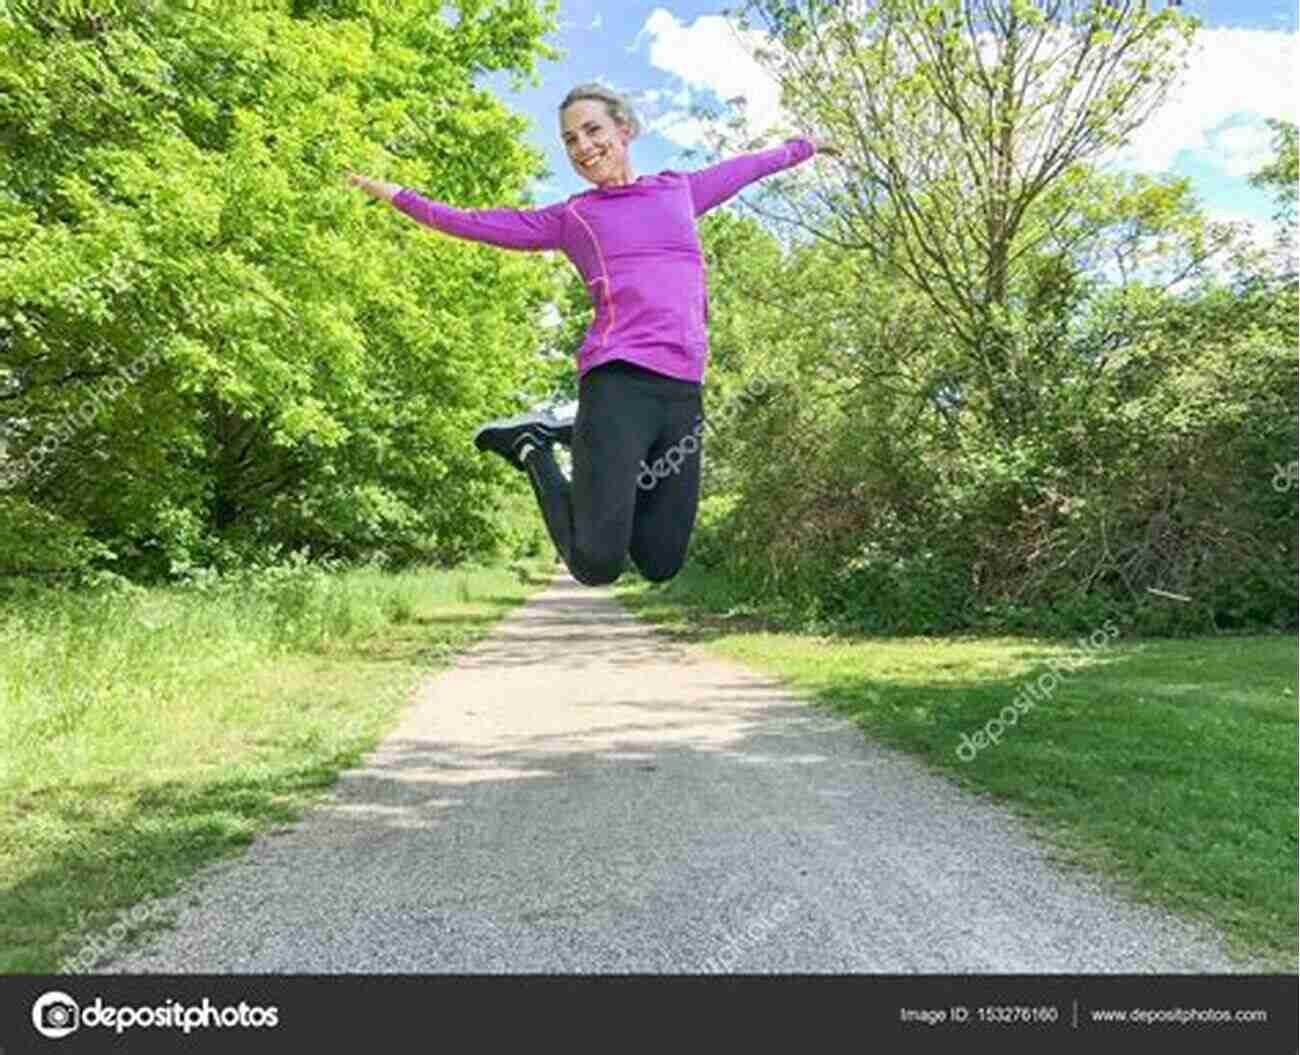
pixel 667 55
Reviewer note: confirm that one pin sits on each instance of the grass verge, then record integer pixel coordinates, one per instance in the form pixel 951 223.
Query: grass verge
pixel 1168 766
pixel 147 733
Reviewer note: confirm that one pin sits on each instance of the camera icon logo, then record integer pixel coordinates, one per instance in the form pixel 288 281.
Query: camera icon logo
pixel 55 1015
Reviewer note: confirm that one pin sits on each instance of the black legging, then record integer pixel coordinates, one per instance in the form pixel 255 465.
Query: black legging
pixel 636 475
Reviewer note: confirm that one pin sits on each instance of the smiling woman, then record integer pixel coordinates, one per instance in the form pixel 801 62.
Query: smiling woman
pixel 635 243
pixel 596 126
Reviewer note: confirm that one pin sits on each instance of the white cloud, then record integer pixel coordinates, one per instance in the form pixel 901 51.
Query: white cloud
pixel 1243 148
pixel 679 128
pixel 1232 74
pixel 708 54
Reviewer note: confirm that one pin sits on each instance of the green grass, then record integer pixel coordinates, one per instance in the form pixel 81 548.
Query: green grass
pixel 1168 766
pixel 147 733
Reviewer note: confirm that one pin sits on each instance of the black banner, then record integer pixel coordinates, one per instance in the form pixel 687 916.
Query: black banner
pixel 886 1013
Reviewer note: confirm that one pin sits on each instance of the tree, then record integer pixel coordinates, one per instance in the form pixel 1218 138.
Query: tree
pixel 1282 173
pixel 955 118
pixel 208 346
pixel 849 490
pixel 1022 423
pixel 1282 176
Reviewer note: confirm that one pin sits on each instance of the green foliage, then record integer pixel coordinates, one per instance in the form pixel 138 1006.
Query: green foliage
pixel 875 487
pixel 209 346
pixel 1009 392
pixel 145 732
pixel 1282 174
pixel 955 122
pixel 1282 177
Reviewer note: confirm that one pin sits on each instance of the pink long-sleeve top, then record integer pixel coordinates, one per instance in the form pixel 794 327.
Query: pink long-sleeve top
pixel 637 249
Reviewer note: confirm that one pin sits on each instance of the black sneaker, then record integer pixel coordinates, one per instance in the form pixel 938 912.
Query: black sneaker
pixel 512 438
pixel 564 432
pixel 561 428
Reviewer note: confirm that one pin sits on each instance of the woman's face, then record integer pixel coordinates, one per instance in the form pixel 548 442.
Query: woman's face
pixel 596 143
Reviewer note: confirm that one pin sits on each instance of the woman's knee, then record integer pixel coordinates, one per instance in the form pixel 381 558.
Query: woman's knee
pixel 596 569
pixel 659 570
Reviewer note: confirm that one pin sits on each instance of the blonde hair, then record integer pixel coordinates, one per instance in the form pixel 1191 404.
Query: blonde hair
pixel 618 107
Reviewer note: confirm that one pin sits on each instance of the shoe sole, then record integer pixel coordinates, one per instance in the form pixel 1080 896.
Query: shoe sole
pixel 543 425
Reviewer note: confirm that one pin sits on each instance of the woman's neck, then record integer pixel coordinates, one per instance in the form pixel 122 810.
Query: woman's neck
pixel 622 179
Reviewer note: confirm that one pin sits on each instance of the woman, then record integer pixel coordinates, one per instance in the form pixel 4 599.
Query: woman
pixel 634 241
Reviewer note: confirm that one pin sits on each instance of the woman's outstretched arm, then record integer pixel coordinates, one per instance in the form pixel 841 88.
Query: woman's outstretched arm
pixel 714 185
pixel 507 228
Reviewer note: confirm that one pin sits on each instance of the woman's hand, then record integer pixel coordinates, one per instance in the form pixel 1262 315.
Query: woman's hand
pixel 821 146
pixel 375 188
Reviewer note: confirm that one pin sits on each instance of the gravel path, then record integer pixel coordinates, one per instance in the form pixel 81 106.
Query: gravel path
pixel 579 794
